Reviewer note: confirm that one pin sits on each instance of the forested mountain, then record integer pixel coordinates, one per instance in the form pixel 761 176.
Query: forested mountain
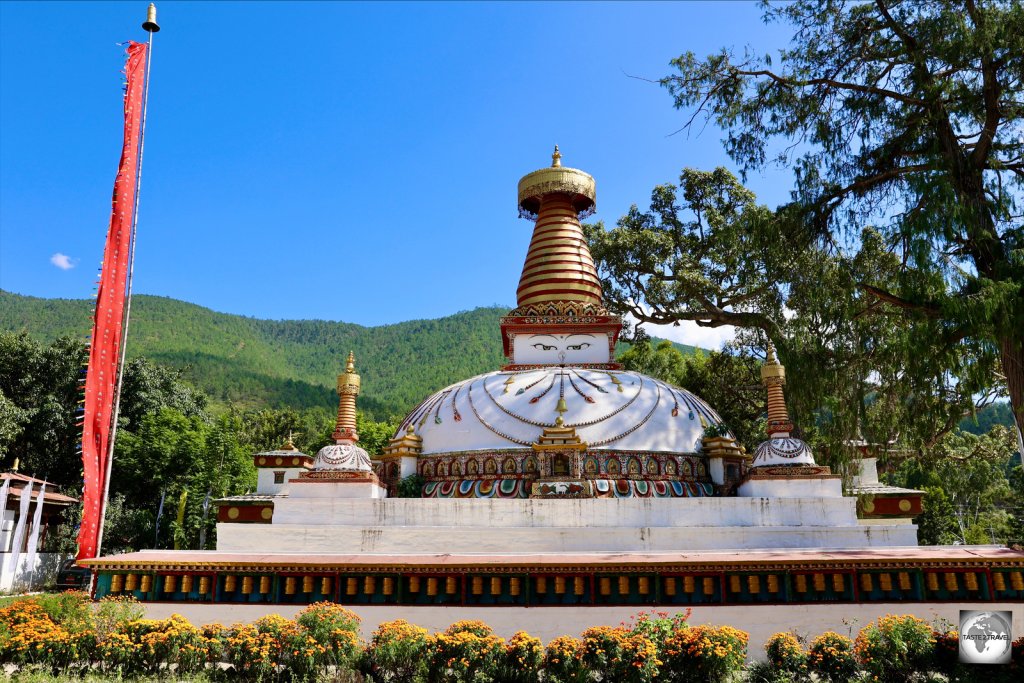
pixel 284 363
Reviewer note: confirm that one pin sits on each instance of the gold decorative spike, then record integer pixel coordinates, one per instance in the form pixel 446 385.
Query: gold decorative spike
pixel 556 158
pixel 509 382
pixel 616 381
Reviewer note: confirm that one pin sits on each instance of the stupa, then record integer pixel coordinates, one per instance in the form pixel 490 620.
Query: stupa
pixel 562 481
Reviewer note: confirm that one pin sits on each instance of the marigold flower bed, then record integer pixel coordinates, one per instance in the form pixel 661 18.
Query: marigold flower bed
pixel 68 637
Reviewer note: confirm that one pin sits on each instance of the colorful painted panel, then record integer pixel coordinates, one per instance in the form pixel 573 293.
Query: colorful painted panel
pixel 476 488
pixel 630 488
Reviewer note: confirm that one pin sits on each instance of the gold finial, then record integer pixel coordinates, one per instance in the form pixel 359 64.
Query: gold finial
pixel 150 23
pixel 559 421
pixel 410 430
pixel 15 468
pixel 350 366
pixel 556 158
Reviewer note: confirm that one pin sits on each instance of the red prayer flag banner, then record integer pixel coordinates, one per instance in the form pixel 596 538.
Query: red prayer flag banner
pixel 108 321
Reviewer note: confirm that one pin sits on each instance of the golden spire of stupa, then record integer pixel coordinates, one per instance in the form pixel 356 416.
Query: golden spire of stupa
pixel 773 376
pixel 558 264
pixel 348 389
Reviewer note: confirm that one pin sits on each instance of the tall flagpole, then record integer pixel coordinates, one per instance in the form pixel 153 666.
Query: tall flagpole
pixel 150 27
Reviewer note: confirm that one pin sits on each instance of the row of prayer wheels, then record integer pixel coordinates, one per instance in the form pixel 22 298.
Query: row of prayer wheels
pixel 1016 581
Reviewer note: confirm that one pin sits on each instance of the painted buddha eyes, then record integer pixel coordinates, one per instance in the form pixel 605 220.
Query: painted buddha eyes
pixel 578 347
pixel 544 347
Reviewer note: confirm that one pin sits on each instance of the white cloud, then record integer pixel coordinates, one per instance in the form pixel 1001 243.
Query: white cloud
pixel 63 261
pixel 689 332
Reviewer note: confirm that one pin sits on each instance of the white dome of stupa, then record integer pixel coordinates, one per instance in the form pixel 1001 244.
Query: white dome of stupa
pixel 609 409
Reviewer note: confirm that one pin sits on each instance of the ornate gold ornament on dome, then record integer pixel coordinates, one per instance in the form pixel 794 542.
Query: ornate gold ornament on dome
pixel 349 380
pixel 557 179
pixel 559 438
pixel 406 444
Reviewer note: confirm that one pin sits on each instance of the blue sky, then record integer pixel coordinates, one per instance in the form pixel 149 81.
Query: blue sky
pixel 341 161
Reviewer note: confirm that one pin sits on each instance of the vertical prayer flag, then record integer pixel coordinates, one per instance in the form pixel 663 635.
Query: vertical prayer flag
pixel 19 531
pixel 108 323
pixel 33 540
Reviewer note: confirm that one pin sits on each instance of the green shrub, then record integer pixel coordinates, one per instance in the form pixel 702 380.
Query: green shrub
pixel 522 660
pixel 787 657
pixel 563 661
pixel 396 653
pixel 335 630
pixel 704 654
pixel 831 658
pixel 894 648
pixel 463 650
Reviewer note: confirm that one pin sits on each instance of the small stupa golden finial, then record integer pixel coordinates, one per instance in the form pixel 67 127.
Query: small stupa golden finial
pixel 350 366
pixel 556 158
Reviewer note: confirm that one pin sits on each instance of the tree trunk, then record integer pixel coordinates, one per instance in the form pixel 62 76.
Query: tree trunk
pixel 1012 356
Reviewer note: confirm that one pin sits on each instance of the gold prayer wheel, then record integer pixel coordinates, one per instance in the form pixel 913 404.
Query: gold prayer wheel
pixel 431 586
pixel 451 585
pixel 950 581
pixel 754 583
pixel 477 585
pixel 230 583
pixel 773 583
pixel 116 583
pixel 170 584
pixel 264 585
pixel 542 584
pixel 904 579
pixel 307 584
pixel 246 585
pixel 1017 581
pixel 734 584
pixel 204 585
pixel 998 581
pixel 971 581
pixel 186 583
pixel 605 585
pixel 414 584
pixel 623 585
pixel 147 583
pixel 560 585
pixel 670 585
pixel 838 583
pixel 643 585
pixel 931 580
pixel 131 582
pixel 819 582
pixel 351 585
pixel 495 585
pixel 709 585
pixel 579 586
pixel 514 586
pixel 389 585
pixel 289 585
pixel 885 581
pixel 369 585
pixel 688 584
pixel 866 583
pixel 801 583
pixel 325 586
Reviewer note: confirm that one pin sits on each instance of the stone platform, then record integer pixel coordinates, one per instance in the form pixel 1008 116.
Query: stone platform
pixel 404 525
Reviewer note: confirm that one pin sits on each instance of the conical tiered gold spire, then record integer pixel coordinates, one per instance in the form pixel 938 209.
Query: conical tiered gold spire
pixel 348 389
pixel 558 266
pixel 773 376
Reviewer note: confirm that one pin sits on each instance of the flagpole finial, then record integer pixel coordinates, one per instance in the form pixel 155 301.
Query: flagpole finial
pixel 150 23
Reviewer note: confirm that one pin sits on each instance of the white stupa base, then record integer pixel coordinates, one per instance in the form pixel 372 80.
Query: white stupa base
pixel 320 489
pixel 413 525
pixel 829 486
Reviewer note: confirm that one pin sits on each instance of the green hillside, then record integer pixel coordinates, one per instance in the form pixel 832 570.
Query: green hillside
pixel 255 363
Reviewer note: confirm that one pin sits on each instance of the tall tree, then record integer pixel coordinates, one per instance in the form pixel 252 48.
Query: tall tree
pixel 908 116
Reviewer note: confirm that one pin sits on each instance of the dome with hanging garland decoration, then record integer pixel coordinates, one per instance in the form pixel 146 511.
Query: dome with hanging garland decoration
pixel 562 418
